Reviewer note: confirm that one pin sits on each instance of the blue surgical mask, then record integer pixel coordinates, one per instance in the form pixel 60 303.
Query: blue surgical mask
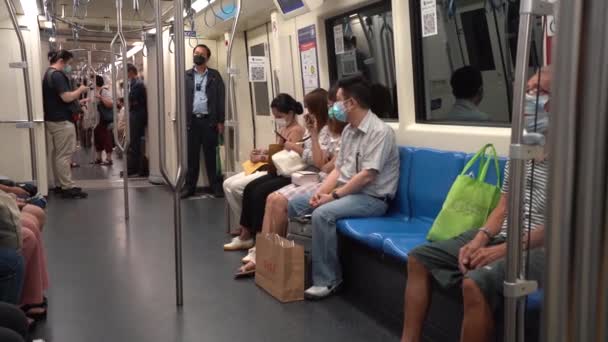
pixel 338 111
pixel 532 106
pixel 67 69
pixel 535 115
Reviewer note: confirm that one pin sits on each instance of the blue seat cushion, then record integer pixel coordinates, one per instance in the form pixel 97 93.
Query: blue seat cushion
pixel 369 230
pixel 431 176
pixel 535 301
pixel 401 203
pixel 399 244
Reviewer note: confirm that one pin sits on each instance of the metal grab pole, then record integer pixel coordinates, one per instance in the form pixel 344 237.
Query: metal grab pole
pixel 232 117
pixel 23 65
pixel 126 87
pixel 515 286
pixel 182 149
pixel 232 121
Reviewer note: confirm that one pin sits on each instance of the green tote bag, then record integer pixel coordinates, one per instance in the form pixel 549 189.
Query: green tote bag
pixel 470 200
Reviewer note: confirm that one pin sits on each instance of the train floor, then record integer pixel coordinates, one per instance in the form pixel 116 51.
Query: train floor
pixel 112 281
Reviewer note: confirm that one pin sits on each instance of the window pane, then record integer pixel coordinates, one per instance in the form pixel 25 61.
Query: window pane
pixel 464 70
pixel 361 43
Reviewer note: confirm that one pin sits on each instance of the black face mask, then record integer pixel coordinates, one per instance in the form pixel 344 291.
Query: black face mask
pixel 199 59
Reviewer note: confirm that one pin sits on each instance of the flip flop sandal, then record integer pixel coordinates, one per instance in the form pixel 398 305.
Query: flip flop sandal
pixel 97 162
pixel 37 316
pixel 243 272
pixel 107 163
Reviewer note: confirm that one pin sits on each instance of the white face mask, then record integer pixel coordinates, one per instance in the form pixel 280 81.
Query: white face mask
pixel 281 123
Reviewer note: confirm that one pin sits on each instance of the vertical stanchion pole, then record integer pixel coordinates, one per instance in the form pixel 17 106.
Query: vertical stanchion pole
pixel 232 121
pixel 124 147
pixel 516 287
pixel 182 148
pixel 23 65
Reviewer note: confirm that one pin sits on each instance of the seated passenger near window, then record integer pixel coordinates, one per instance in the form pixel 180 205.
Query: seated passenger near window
pixel 249 204
pixel 467 87
pixel 475 260
pixel 363 181
pixel 319 151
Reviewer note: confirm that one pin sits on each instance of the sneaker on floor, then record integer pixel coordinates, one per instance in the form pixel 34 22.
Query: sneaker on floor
pixel 250 256
pixel 74 193
pixel 238 245
pixel 320 292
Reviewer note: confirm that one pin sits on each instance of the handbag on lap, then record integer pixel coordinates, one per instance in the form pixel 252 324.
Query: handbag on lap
pixel 288 162
pixel 470 200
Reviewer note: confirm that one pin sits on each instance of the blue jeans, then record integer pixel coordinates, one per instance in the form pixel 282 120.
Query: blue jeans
pixel 326 269
pixel 12 273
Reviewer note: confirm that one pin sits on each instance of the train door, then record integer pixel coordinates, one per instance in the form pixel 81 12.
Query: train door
pixel 22 140
pixel 262 90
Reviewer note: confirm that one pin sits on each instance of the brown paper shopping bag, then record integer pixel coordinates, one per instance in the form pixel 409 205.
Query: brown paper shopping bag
pixel 280 267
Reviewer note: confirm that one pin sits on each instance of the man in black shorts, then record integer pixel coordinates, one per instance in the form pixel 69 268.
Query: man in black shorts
pixel 475 260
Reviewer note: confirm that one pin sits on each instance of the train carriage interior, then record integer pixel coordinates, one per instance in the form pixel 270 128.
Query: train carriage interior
pixel 376 170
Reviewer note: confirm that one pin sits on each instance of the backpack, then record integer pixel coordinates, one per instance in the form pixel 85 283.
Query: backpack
pixel 106 115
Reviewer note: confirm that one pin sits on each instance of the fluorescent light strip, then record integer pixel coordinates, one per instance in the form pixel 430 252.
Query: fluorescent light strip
pixel 200 5
pixel 29 7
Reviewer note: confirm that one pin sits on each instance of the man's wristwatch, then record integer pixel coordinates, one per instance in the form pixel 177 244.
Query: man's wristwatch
pixel 487 232
pixel 335 195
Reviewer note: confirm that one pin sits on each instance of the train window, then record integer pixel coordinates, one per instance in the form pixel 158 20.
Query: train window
pixel 361 42
pixel 463 66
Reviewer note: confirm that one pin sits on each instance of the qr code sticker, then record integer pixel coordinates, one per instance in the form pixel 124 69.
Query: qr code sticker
pixel 429 23
pixel 258 74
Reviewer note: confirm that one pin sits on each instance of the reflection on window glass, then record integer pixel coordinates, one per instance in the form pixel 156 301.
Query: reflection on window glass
pixel 477 36
pixel 260 89
pixel 361 43
pixel 464 70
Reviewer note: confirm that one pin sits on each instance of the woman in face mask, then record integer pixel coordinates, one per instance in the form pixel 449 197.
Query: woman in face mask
pixel 288 130
pixel 319 152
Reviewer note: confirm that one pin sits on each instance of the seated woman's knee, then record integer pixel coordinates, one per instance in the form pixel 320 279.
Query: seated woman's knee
pixel 37 212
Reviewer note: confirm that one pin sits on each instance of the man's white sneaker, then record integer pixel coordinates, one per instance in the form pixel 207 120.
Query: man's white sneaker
pixel 319 292
pixel 238 245
pixel 249 257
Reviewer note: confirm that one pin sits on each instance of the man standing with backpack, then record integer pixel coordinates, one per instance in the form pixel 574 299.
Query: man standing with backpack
pixel 61 136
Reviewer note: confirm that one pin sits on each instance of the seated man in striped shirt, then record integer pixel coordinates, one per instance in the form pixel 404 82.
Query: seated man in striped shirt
pixel 475 260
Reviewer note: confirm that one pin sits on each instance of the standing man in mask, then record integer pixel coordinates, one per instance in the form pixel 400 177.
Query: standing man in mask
pixel 138 120
pixel 205 111
pixel 362 183
pixel 58 99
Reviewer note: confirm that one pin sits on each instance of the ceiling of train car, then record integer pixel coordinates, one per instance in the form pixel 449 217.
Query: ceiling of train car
pixel 94 14
pixel 253 14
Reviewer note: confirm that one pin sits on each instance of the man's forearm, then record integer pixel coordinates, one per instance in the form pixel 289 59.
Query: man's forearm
pixel 357 183
pixel 537 238
pixel 330 182
pixel 71 96
pixel 497 217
